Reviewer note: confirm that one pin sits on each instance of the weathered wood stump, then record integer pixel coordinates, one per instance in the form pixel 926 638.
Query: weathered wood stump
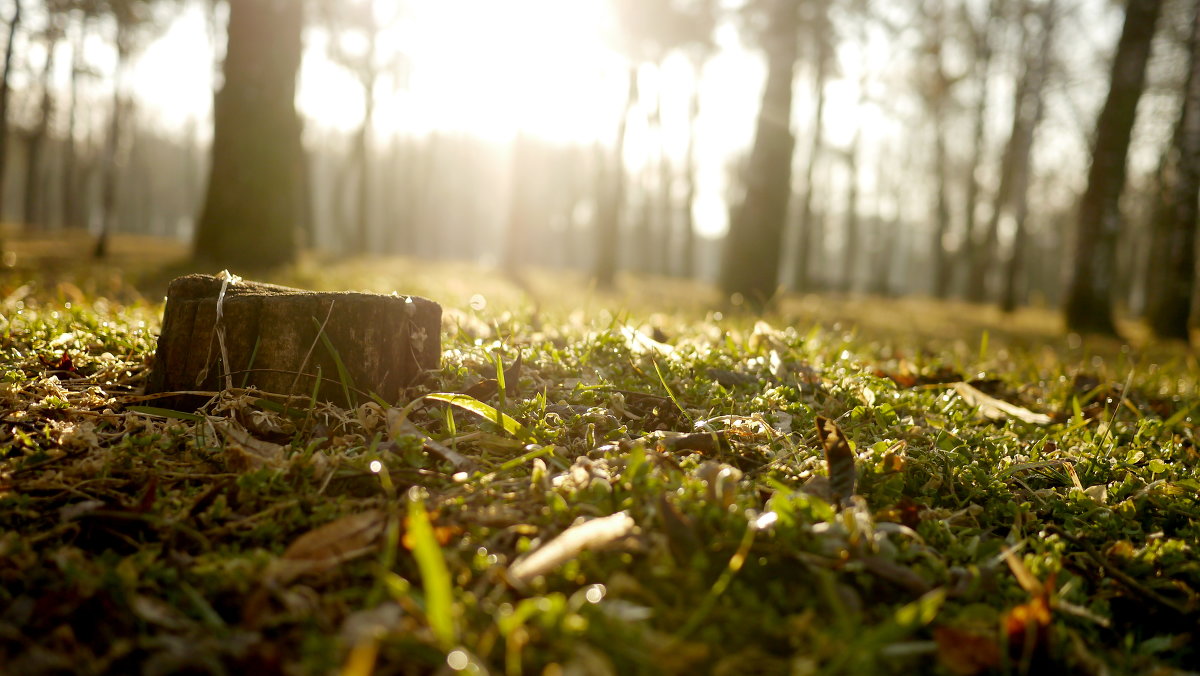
pixel 273 341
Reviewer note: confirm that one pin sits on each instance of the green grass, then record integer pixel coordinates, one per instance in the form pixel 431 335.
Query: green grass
pixel 134 539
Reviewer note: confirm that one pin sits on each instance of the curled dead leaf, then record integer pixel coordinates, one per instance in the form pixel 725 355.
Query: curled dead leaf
pixel 720 481
pixel 398 425
pixel 245 452
pixel 996 409
pixel 839 458
pixel 327 546
pixel 640 343
pixel 964 653
pixel 593 534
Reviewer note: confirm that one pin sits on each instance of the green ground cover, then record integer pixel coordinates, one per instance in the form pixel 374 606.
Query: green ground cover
pixel 846 487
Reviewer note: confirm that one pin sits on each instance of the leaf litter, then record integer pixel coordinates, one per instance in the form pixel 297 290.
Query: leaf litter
pixel 743 494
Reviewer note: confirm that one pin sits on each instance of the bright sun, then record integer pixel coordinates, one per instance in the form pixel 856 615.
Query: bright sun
pixel 489 68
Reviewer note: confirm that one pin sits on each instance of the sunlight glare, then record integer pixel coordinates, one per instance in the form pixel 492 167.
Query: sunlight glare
pixel 170 82
pixel 490 69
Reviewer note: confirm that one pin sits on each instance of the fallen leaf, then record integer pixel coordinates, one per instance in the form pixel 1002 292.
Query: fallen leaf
pixel 701 442
pixel 839 459
pixel 720 482
pixel 1028 626
pixel 399 425
pixel 964 653
pixel 327 546
pixel 593 534
pixel 995 409
pixel 158 612
pixel 61 365
pixel 1025 577
pixel 907 377
pixel 731 379
pixel 246 452
pixel 895 573
pixel 640 343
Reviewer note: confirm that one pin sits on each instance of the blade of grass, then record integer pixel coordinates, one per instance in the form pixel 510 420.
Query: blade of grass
pixel 525 457
pixel 308 354
pixel 1178 416
pixel 735 564
pixel 670 393
pixel 387 555
pixel 1112 419
pixel 250 364
pixel 501 398
pixel 165 413
pixel 343 373
pixel 439 599
pixel 473 405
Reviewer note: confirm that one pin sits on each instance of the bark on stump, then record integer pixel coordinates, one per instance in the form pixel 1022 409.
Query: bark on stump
pixel 273 341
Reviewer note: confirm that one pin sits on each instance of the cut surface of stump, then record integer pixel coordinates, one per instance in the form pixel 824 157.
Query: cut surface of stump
pixel 281 340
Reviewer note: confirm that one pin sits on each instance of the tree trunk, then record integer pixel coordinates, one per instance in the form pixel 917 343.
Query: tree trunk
pixel 255 202
pixel 941 257
pixel 362 148
pixel 1170 309
pixel 71 185
pixel 977 288
pixel 1030 106
pixel 805 223
pixel 687 246
pixel 608 225
pixel 518 238
pixel 342 347
pixel 31 209
pixel 112 150
pixel 666 203
pixel 5 87
pixel 752 248
pixel 1089 306
pixel 362 202
pixel 979 254
pixel 887 187
pixel 851 254
pixel 936 92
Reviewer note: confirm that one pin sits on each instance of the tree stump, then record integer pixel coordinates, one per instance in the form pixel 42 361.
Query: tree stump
pixel 280 340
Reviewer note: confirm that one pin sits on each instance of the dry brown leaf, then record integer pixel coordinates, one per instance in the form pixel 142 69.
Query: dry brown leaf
pixel 246 452
pixel 1028 625
pixel 399 425
pixel 1025 577
pixel 965 653
pixel 894 573
pixel 720 482
pixel 327 546
pixel 839 458
pixel 640 343
pixel 1028 628
pixel 995 409
pixel 592 534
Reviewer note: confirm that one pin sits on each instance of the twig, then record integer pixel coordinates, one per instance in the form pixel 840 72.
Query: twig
pixel 1121 576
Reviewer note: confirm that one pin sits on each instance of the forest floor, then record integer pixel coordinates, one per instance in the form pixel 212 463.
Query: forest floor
pixel 626 483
